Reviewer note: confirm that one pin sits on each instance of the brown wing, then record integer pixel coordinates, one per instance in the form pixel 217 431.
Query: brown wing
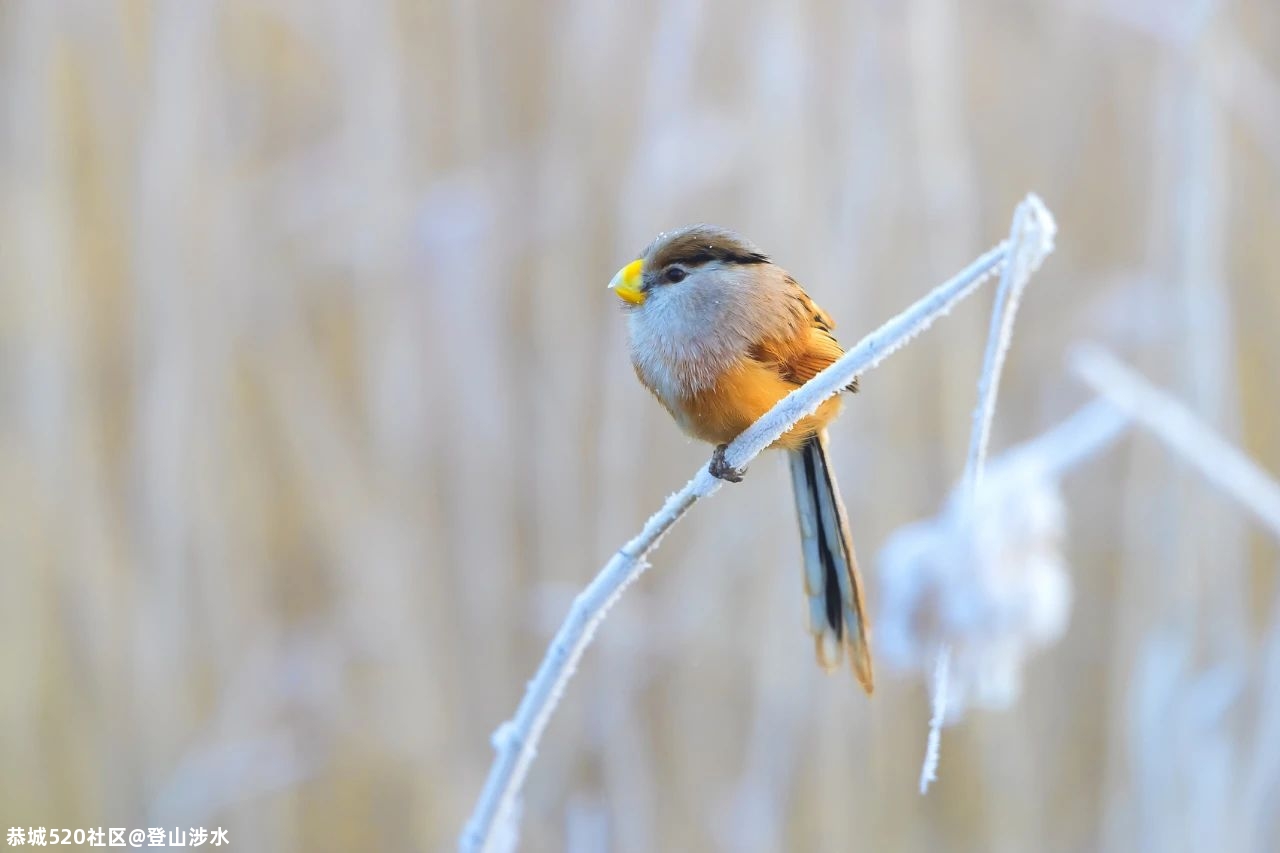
pixel 803 356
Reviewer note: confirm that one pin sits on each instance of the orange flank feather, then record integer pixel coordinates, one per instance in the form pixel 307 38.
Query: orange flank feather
pixel 771 369
pixel 739 397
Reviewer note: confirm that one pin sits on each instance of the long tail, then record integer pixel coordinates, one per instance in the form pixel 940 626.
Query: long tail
pixel 837 616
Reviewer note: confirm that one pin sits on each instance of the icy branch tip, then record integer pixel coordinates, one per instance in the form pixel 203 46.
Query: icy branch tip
pixel 1040 222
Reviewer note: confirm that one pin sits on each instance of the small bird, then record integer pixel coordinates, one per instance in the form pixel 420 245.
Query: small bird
pixel 719 334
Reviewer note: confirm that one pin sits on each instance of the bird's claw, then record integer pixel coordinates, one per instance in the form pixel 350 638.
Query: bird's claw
pixel 721 469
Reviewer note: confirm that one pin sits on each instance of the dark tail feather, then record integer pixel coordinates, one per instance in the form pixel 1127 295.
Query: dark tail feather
pixel 837 617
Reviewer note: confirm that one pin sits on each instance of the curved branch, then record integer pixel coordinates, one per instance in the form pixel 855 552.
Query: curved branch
pixel 1030 242
pixel 493 820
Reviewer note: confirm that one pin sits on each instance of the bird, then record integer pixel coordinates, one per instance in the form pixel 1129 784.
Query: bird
pixel 719 334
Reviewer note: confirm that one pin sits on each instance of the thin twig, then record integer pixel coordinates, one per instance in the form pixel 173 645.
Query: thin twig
pixel 1086 432
pixel 1031 240
pixel 1174 424
pixel 516 741
pixel 942 666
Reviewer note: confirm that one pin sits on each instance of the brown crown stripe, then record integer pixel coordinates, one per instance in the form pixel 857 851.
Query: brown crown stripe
pixel 700 245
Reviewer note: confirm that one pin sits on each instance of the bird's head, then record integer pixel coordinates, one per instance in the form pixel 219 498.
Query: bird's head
pixel 690 265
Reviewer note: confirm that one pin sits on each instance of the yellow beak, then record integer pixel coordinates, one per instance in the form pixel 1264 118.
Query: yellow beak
pixel 627 283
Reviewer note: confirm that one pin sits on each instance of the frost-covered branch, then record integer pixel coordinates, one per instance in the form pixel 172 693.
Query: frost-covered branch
pixel 1174 424
pixel 1031 235
pixel 1030 242
pixel 492 824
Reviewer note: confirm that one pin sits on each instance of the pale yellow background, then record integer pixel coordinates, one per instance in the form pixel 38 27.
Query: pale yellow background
pixel 315 412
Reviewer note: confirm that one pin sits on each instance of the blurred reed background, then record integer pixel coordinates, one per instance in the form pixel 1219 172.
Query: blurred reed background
pixel 316 413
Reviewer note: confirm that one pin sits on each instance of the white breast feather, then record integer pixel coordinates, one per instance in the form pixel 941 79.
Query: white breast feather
pixel 683 338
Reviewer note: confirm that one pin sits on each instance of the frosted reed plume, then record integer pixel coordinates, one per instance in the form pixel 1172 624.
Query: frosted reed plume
pixel 516 741
pixel 1030 242
pixel 985 580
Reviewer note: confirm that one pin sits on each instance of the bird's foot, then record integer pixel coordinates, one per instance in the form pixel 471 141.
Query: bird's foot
pixel 721 469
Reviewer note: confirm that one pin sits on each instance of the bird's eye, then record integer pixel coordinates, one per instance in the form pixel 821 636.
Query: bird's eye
pixel 674 274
